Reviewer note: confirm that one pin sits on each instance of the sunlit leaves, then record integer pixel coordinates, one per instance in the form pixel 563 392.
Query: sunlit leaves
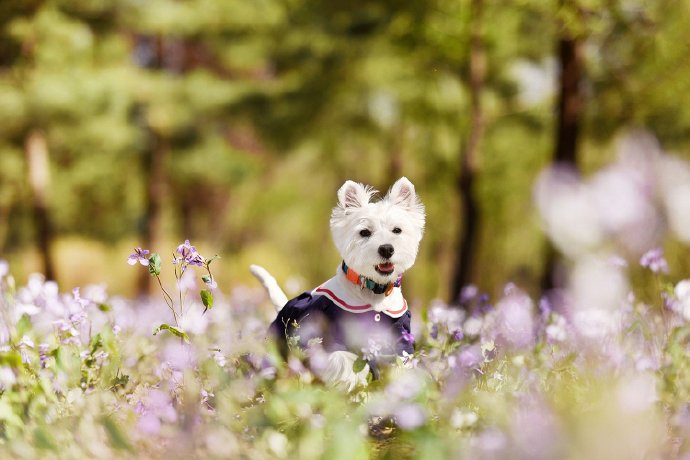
pixel 176 331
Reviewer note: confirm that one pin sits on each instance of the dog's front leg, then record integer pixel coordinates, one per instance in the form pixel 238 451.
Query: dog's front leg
pixel 339 372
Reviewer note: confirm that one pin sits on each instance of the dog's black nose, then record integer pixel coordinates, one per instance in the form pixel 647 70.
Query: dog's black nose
pixel 386 251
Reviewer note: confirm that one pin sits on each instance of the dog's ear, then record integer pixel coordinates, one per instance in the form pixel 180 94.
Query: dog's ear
pixel 353 195
pixel 402 193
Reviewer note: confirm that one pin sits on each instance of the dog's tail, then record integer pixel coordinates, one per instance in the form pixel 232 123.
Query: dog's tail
pixel 275 294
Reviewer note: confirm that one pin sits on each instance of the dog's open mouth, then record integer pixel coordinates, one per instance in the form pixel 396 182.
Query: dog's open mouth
pixel 385 268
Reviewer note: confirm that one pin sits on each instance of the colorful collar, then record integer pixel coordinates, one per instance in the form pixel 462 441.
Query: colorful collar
pixel 364 282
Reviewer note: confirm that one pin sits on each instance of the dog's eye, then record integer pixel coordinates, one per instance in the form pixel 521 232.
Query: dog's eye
pixel 397 230
pixel 365 233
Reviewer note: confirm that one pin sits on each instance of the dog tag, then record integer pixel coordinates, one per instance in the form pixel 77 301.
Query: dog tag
pixel 377 317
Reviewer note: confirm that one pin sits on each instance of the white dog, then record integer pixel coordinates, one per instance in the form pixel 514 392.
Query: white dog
pixel 361 309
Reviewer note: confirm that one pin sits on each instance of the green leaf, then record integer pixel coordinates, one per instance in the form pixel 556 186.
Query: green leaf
pixel 96 343
pixel 173 330
pixel 23 325
pixel 11 359
pixel 206 279
pixel 358 365
pixel 117 437
pixel 119 381
pixel 43 439
pixel 155 264
pixel 104 307
pixel 206 299
pixel 8 415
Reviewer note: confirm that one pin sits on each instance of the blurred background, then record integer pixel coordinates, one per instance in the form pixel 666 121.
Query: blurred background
pixel 232 123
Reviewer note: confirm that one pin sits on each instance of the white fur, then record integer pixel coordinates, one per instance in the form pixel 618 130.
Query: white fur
pixel 275 294
pixel 339 372
pixel 356 210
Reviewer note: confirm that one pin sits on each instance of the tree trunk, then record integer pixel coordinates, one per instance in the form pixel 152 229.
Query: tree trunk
pixel 569 101
pixel 38 166
pixel 570 104
pixel 469 209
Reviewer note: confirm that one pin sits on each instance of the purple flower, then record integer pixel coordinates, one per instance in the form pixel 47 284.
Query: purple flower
pixel 186 249
pixel 153 409
pixel 189 255
pixel 43 354
pixel 470 356
pixel 654 260
pixel 457 335
pixel 409 416
pixel 407 336
pixel 139 255
pixel 197 259
pixel 373 350
pixel 468 293
pixel 514 321
pixel 483 301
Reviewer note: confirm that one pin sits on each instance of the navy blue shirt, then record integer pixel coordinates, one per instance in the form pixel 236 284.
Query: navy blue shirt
pixel 316 316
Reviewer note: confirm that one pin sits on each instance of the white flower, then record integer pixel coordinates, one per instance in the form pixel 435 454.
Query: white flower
pixel 26 342
pixel 277 443
pixel 462 419
pixel 556 332
pixel 682 291
pixel 472 326
pixel 7 377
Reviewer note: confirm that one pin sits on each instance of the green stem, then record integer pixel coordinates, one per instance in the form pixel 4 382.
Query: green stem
pixel 169 303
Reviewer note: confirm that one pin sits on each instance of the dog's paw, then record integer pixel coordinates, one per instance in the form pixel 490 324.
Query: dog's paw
pixel 339 372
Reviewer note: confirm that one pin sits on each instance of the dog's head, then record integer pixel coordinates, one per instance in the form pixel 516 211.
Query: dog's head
pixel 378 239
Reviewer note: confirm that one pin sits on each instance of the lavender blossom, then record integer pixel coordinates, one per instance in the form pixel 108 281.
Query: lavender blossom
pixel 372 350
pixel 515 324
pixel 470 357
pixel 468 293
pixel 654 260
pixel 43 354
pixel 155 408
pixel 407 336
pixel 24 344
pixel 189 255
pixel 409 416
pixel 139 255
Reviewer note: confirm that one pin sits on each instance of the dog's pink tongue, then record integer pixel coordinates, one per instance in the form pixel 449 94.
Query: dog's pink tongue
pixel 387 267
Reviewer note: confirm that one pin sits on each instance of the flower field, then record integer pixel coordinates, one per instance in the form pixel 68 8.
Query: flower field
pixel 598 369
pixel 82 376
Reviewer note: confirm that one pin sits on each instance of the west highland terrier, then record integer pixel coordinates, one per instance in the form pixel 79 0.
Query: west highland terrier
pixel 361 310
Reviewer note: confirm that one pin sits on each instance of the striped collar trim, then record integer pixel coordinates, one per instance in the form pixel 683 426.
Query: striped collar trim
pixel 392 312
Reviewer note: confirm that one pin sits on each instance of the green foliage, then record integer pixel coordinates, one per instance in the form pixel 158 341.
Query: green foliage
pixel 206 299
pixel 261 109
pixel 176 331
pixel 155 264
